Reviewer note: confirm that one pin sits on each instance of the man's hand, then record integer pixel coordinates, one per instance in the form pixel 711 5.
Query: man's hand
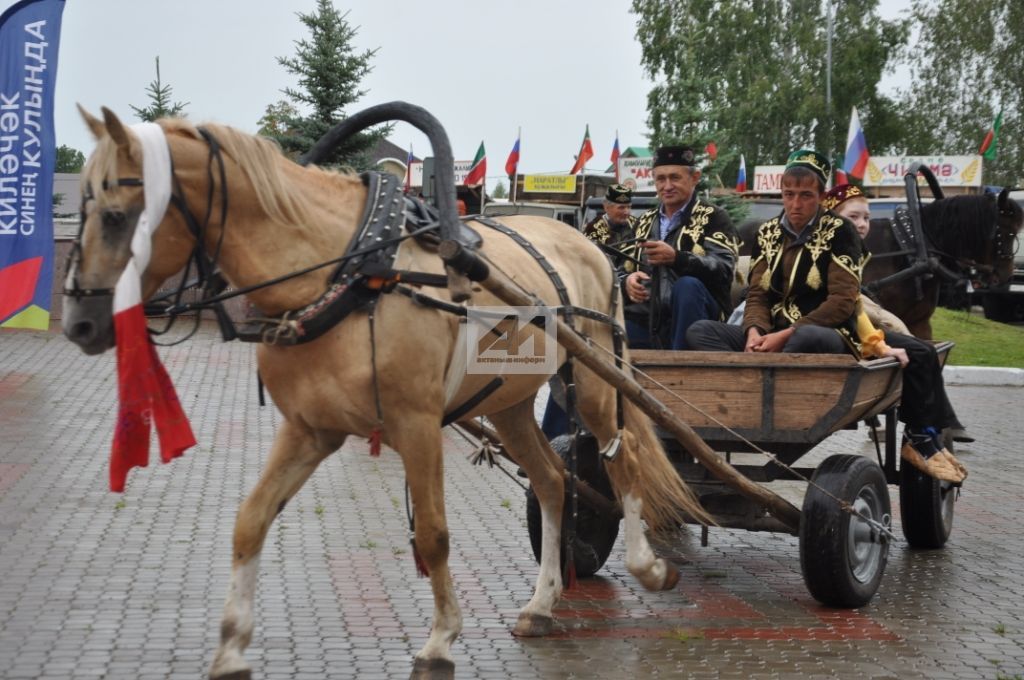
pixel 754 339
pixel 635 288
pixel 659 252
pixel 900 354
pixel 774 342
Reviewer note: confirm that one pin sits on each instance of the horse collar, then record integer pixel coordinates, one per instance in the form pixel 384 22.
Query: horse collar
pixel 382 220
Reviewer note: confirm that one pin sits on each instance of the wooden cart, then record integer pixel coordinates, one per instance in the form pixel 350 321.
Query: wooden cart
pixel 785 405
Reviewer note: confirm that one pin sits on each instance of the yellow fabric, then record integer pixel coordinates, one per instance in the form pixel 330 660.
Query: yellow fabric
pixel 872 340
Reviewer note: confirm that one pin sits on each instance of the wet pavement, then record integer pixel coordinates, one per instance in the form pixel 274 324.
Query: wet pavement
pixel 101 585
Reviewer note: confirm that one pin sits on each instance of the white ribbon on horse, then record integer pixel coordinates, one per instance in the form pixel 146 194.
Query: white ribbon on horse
pixel 146 394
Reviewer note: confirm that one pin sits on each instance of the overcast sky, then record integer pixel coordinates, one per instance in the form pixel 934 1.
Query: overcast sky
pixel 482 68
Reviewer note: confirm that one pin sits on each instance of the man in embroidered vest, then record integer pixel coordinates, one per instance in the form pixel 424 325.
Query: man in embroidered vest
pixel 689 248
pixel 804 277
pixel 617 222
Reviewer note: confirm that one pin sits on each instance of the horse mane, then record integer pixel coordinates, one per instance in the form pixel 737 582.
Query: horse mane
pixel 960 223
pixel 260 160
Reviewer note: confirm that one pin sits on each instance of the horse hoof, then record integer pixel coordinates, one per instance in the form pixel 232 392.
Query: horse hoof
pixel 533 625
pixel 671 576
pixel 234 675
pixel 432 669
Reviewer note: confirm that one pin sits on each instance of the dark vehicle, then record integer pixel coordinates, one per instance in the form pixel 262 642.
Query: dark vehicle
pixel 595 207
pixel 569 214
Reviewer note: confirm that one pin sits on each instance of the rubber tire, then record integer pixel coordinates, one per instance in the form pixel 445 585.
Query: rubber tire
pixel 595 533
pixel 827 558
pixel 926 508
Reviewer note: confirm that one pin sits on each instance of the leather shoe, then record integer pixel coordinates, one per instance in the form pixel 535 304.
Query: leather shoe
pixel 960 435
pixel 938 466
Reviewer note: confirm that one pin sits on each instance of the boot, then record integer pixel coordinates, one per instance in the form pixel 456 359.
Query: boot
pixel 936 466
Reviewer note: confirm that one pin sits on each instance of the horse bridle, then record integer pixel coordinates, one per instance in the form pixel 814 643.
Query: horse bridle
pixel 110 217
pixel 1006 244
pixel 208 278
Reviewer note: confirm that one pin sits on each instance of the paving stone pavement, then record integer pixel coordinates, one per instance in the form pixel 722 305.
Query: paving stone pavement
pixel 101 585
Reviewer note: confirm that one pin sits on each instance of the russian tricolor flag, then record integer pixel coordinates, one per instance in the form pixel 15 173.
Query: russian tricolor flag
pixel 855 162
pixel 741 178
pixel 512 163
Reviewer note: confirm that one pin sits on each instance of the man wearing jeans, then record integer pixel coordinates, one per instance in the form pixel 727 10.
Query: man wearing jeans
pixel 680 266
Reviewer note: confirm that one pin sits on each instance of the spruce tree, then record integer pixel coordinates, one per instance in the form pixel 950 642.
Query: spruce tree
pixel 160 105
pixel 329 71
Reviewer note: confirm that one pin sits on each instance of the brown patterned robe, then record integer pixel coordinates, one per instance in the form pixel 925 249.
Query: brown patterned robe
pixel 813 280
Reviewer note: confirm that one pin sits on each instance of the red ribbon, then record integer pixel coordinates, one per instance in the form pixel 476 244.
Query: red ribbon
pixel 146 397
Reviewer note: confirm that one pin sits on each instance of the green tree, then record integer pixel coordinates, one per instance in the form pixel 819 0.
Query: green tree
pixel 69 159
pixel 329 71
pixel 160 105
pixel 752 76
pixel 275 120
pixel 968 65
pixel 500 191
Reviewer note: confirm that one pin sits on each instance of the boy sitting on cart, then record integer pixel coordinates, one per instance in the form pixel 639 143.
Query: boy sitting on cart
pixel 804 296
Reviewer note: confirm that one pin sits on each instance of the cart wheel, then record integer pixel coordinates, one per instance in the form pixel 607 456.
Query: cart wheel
pixel 926 508
pixel 595 533
pixel 843 557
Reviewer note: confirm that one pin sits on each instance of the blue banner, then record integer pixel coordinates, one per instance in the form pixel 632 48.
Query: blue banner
pixel 29 38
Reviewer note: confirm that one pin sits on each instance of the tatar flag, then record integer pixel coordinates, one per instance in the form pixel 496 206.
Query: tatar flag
pixel 408 171
pixel 989 148
pixel 512 164
pixel 145 393
pixel 585 154
pixel 29 41
pixel 477 171
pixel 841 178
pixel 741 178
pixel 855 162
pixel 712 150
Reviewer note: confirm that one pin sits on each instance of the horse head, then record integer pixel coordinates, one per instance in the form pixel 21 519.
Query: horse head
pixel 112 201
pixel 977 234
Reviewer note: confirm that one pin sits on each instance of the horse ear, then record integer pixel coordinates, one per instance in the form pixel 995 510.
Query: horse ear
pixel 1003 196
pixel 94 123
pixel 116 129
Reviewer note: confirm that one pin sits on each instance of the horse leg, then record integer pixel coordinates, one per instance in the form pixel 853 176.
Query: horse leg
pixel 644 480
pixel 293 459
pixel 420 444
pixel 524 441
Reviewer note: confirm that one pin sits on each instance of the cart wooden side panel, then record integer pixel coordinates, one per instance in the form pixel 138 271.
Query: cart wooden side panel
pixel 783 402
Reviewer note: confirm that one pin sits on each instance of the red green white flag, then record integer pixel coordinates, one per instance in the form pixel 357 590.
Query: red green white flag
pixel 585 154
pixel 478 171
pixel 989 147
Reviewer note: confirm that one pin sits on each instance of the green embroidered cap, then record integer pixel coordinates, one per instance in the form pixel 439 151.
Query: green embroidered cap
pixel 813 161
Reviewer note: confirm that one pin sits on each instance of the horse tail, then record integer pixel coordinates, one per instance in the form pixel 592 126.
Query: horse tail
pixel 667 499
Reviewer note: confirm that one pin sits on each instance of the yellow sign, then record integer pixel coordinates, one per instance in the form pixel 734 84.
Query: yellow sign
pixel 551 184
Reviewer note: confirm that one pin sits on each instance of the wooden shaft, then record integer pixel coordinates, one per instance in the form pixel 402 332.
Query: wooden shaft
pixel 506 290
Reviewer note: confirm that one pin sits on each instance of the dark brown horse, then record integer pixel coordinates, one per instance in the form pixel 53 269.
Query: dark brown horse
pixel 966 237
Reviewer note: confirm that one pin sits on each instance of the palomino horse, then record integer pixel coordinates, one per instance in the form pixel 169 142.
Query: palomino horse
pixel 973 236
pixel 386 370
